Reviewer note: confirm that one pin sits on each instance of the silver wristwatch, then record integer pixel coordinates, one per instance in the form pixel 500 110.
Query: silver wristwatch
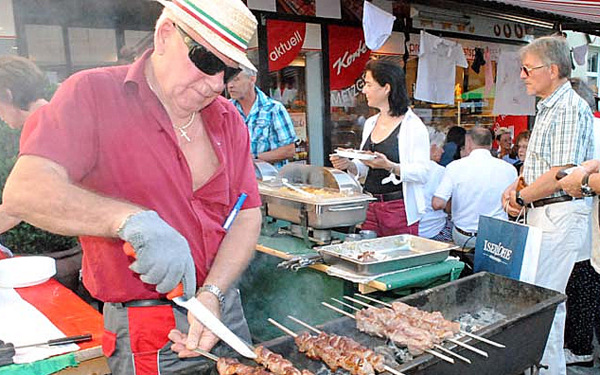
pixel 586 190
pixel 214 290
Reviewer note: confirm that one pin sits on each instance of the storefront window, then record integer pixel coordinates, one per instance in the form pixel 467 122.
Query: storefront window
pixel 473 105
pixel 593 62
pixel 288 86
pixel 92 47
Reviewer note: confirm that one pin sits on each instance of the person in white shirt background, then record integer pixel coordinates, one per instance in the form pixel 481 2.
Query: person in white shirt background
pixel 433 224
pixel 475 184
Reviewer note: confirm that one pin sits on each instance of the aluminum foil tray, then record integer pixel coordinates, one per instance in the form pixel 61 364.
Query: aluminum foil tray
pixel 385 254
pixel 312 195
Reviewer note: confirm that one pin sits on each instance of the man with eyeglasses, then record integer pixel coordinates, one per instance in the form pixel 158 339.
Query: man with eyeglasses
pixel 562 137
pixel 272 134
pixel 151 154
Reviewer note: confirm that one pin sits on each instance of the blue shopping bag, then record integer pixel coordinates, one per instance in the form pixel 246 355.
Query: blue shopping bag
pixel 507 248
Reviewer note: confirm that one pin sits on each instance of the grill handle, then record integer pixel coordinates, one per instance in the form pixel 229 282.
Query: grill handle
pixel 348 208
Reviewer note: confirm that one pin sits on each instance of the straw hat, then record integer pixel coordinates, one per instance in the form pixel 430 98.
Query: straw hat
pixel 227 25
pixel 501 131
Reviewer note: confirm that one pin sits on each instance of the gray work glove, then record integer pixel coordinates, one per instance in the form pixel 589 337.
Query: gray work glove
pixel 163 255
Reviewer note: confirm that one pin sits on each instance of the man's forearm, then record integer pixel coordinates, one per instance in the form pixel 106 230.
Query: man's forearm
pixel 544 186
pixel 594 182
pixel 39 192
pixel 7 222
pixel 438 204
pixel 281 153
pixel 236 250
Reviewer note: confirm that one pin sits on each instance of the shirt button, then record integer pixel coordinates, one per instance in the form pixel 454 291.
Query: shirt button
pixel 179 155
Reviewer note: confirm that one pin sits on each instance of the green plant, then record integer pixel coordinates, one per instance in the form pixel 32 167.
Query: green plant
pixel 25 238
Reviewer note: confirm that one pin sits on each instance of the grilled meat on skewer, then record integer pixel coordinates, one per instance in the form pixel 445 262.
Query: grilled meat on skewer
pixel 318 347
pixel 375 322
pixel 416 329
pixel 347 345
pixel 230 366
pixel 276 363
pixel 338 351
pixel 427 320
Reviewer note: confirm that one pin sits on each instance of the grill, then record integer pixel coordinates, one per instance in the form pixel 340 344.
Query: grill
pixel 527 312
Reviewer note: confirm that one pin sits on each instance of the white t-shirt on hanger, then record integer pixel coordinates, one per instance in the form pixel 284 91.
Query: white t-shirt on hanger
pixel 436 73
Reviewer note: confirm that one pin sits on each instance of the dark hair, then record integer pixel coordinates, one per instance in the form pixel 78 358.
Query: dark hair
pixel 387 72
pixel 515 149
pixel 481 136
pixel 23 79
pixel 456 135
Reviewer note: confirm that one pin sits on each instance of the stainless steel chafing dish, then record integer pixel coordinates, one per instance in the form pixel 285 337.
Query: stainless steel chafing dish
pixel 264 171
pixel 315 197
pixel 385 254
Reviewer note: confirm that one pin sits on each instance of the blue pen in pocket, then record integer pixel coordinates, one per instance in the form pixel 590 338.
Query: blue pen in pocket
pixel 234 211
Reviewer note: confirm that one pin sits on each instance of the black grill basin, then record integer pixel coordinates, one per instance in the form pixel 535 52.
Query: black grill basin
pixel 529 311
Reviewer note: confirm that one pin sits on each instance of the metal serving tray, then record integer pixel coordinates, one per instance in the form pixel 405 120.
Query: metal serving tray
pixel 322 214
pixel 385 254
pixel 319 211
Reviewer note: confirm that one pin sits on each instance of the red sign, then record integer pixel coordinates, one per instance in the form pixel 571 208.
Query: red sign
pixel 284 42
pixel 348 55
pixel 517 124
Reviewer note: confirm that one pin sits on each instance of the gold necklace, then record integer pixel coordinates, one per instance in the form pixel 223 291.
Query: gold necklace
pixel 181 129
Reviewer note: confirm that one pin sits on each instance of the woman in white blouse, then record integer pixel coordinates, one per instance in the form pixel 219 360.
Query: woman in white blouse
pixel 400 143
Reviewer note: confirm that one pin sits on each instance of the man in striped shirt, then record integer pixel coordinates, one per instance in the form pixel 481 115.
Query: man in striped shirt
pixel 272 134
pixel 562 137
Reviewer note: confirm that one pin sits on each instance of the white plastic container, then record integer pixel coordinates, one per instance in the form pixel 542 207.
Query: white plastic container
pixel 20 272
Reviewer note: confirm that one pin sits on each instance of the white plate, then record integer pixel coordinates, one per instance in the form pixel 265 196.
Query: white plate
pixel 354 154
pixel 25 271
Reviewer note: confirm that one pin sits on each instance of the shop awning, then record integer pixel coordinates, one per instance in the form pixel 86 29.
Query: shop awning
pixel 578 10
pixel 583 16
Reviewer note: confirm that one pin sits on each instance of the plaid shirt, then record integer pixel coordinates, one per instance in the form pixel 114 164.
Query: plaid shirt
pixel 562 134
pixel 269 124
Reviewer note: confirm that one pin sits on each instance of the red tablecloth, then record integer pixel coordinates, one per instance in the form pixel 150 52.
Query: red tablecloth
pixel 72 315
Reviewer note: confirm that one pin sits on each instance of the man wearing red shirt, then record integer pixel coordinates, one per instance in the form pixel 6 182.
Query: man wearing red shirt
pixel 151 154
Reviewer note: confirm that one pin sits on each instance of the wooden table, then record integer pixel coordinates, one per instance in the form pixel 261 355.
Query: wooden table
pixel 287 247
pixel 72 316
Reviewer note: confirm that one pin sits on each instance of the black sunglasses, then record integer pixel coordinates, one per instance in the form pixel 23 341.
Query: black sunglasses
pixel 206 61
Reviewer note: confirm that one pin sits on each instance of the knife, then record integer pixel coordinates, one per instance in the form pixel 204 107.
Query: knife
pixel 204 315
pixel 54 342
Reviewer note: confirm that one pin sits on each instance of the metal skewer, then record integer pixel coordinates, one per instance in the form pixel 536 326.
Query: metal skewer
pixel 206 354
pixel 432 352
pixel 285 329
pixel 469 347
pixel 483 339
pixel 472 335
pixel 436 346
pixel 386 367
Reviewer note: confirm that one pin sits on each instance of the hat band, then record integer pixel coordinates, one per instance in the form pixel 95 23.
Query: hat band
pixel 220 30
